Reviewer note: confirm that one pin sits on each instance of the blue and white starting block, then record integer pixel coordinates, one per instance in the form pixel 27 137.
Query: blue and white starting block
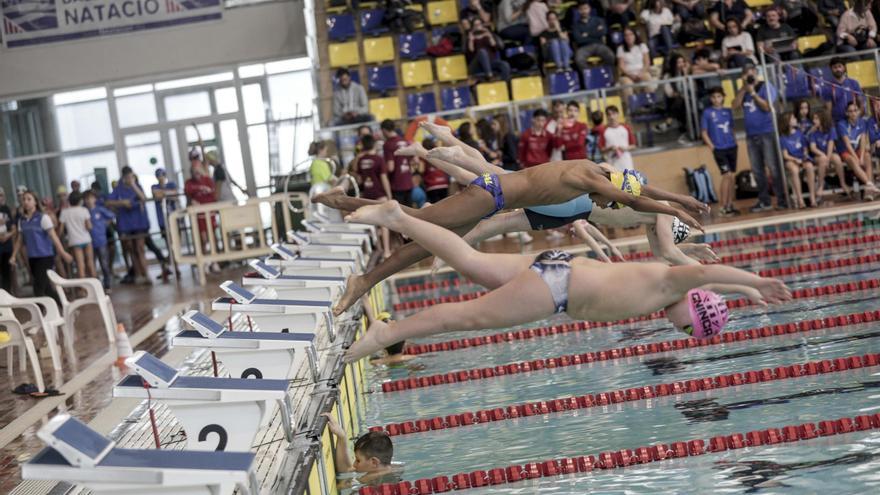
pixel 353 251
pixel 341 228
pixel 288 258
pixel 78 454
pixel 251 354
pixel 232 409
pixel 271 276
pixel 337 238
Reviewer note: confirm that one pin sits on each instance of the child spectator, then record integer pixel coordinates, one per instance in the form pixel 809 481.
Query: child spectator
pixel 75 219
pixel 571 135
pixel 804 116
pixel 36 232
pixel 554 43
pixel 373 452
pixel 853 142
pixel 371 173
pixel 822 140
pixel 100 219
pixel 436 180
pixel 418 198
pixel 658 19
pixel 399 170
pixel 617 140
pixel 596 118
pixel 535 144
pixel 794 153
pixel 717 131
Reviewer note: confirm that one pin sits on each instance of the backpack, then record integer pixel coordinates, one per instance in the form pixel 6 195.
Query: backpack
pixel 746 185
pixel 442 48
pixel 700 184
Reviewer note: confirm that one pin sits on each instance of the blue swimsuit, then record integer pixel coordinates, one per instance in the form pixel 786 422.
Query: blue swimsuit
pixel 491 184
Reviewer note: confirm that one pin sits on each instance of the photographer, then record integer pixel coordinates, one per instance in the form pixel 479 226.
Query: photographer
pixel 857 29
pixel 755 98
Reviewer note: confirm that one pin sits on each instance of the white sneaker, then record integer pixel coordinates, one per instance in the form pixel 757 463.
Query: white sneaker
pixel 554 235
pixel 215 268
pixel 525 238
pixel 496 237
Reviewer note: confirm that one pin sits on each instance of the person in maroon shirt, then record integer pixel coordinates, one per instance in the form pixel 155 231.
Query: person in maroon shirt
pixel 399 169
pixel 200 189
pixel 535 144
pixel 436 181
pixel 571 134
pixel 371 174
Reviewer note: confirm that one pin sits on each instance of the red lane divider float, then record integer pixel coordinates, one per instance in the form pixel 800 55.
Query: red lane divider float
pixel 772 272
pixel 628 457
pixel 625 352
pixel 837 228
pixel 538 332
pixel 514 411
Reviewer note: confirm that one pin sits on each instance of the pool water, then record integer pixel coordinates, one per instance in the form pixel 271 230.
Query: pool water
pixel 848 463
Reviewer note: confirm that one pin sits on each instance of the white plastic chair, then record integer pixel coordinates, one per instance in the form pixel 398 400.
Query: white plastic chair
pixel 94 295
pixel 26 350
pixel 43 316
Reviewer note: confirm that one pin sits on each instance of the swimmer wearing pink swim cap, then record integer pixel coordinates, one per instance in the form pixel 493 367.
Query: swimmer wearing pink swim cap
pixel 708 312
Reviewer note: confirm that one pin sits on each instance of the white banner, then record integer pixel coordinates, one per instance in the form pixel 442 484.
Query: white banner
pixel 31 22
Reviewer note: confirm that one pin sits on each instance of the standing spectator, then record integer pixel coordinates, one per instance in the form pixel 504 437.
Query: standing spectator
pixel 128 200
pixel 535 144
pixel 717 132
pixel 798 14
pixel 632 60
pixel 61 196
pixel 557 116
pixel 841 92
pixel 370 172
pixel 75 187
pixel 418 197
pixel 512 23
pixel 755 98
pixel 507 142
pixel 554 43
pixel 36 233
pixel 597 118
pixel 737 48
pixel 536 14
pixel 76 221
pixel 100 218
pixel 773 35
pixel 163 191
pixel 571 134
pixel 483 52
pixel 794 152
pixel 489 146
pixel 321 170
pixel 200 189
pixel 658 19
pixel 7 233
pixel 857 28
pixel 399 170
pixel 617 140
pixel 436 180
pixel 686 9
pixel 830 10
pixel 223 182
pixel 853 143
pixel 477 9
pixel 588 36
pixel 823 151
pixel 725 10
pixel 350 103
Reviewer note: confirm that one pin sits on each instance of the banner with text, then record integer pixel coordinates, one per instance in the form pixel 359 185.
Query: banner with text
pixel 31 22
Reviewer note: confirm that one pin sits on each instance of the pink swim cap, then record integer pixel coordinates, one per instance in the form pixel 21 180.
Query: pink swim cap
pixel 708 313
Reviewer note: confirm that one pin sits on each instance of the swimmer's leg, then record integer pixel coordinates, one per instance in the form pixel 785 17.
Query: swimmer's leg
pixel 488 270
pixel 524 299
pixel 502 223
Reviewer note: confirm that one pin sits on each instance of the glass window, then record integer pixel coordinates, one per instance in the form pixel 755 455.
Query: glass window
pixel 255 70
pixel 194 81
pixel 133 90
pixel 79 96
pixel 299 134
pixel 254 109
pixel 187 106
pixel 232 157
pixel 289 65
pixel 226 100
pixel 291 95
pixel 259 143
pixel 144 155
pixel 84 125
pixel 136 110
pixel 90 167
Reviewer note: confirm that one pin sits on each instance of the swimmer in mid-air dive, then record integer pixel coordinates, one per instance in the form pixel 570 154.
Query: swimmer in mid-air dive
pixel 527 288
pixel 549 184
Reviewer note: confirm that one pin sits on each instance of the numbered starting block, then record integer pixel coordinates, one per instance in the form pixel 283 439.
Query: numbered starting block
pixel 78 454
pixel 251 354
pixel 340 228
pixel 216 413
pixel 265 275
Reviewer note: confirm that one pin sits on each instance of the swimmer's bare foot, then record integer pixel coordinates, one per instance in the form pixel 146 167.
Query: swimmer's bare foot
pixel 387 214
pixel 355 288
pixel 330 198
pixel 413 149
pixel 441 132
pixel 452 154
pixel 375 339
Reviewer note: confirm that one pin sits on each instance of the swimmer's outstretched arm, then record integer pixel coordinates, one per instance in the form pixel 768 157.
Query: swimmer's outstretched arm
pixel 600 185
pixel 587 233
pixel 684 278
pixel 663 245
pixel 686 201
pixel 702 252
pixel 445 135
pixel 753 294
pixel 458 155
pixel 460 175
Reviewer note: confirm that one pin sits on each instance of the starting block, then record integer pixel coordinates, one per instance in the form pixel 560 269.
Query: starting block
pixel 78 454
pixel 350 238
pixel 273 355
pixel 339 228
pixel 353 251
pixel 270 276
pixel 230 409
pixel 287 258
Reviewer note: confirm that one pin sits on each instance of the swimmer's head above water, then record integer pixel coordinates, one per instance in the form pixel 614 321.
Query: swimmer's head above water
pixel 627 181
pixel 702 314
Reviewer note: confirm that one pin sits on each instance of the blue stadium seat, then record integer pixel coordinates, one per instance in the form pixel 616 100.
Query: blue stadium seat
pixel 797 85
pixel 525 118
pixel 598 77
pixel 340 27
pixel 382 78
pixel 412 46
pixel 820 74
pixel 371 22
pixel 564 82
pixel 420 103
pixel 641 107
pixel 354 73
pixel 455 98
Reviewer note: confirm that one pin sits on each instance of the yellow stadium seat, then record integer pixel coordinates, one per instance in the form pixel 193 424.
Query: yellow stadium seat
pixel 805 43
pixel 729 92
pixel 582 114
pixel 451 68
pixel 492 92
pixel 602 103
pixel 443 12
pixel 344 54
pixel 759 3
pixel 386 108
pixel 378 49
pixel 526 88
pixel 418 73
pixel 863 71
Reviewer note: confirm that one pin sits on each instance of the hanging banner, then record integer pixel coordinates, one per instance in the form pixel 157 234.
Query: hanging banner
pixel 31 22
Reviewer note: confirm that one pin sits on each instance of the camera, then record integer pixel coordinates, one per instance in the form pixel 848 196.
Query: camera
pixel 750 80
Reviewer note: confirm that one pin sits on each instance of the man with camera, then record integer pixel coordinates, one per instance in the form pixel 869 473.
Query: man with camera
pixel 755 98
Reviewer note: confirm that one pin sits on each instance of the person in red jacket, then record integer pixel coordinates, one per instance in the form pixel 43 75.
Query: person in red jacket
pixel 436 180
pixel 571 134
pixel 535 144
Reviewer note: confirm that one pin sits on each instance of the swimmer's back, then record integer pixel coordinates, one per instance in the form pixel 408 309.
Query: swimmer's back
pixel 550 183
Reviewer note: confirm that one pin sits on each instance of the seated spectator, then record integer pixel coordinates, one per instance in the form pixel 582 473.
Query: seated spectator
pixel 588 36
pixel 686 9
pixel 857 29
pixel 535 144
pixel 617 140
pixel 536 14
pixel 619 13
pixel 483 52
pixel 831 11
pixel 511 21
pixel 399 18
pixel 798 14
pixel 489 146
pixel 350 103
pixel 477 9
pixel 554 43
pixel 737 47
pixel 776 38
pixel 804 116
pixel 466 135
pixel 632 60
pixel 658 19
pixel 702 63
pixel 725 10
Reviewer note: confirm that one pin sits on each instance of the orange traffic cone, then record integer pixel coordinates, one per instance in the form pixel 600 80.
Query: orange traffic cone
pixel 123 347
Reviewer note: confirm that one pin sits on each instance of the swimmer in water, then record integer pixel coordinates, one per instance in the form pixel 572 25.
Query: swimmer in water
pixel 372 456
pixel 527 288
pixel 393 353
